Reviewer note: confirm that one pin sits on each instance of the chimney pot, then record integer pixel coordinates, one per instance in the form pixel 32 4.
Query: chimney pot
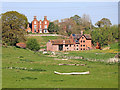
pixel 45 17
pixel 81 32
pixel 34 17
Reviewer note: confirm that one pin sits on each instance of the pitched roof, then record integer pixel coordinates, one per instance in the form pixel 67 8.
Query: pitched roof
pixel 88 36
pixel 61 41
pixel 78 36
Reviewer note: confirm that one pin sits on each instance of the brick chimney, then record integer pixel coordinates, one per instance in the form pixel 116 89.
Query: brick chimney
pixel 45 17
pixel 34 17
pixel 81 32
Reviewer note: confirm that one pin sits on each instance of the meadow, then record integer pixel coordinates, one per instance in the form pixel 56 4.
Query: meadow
pixel 22 68
pixel 36 70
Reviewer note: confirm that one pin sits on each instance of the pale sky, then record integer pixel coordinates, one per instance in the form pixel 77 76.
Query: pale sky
pixel 59 0
pixel 61 10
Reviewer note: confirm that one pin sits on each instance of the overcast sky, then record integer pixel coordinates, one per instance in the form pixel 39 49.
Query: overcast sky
pixel 60 10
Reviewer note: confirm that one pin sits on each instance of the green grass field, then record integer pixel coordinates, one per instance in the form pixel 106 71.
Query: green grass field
pixel 42 75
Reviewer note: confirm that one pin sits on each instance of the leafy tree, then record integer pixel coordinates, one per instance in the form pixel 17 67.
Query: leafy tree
pixel 83 23
pixel 103 22
pixel 13 27
pixel 56 22
pixel 56 28
pixel 67 26
pixel 99 23
pixel 114 30
pixel 77 19
pixel 51 27
pixel 105 35
pixel 32 44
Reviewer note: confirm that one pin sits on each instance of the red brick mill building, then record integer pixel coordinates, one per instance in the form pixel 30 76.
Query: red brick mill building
pixel 76 42
pixel 38 26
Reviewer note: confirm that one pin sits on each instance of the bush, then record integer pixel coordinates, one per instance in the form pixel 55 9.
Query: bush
pixel 32 44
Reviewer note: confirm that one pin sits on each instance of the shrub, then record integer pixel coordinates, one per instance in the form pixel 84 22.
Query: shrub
pixel 32 44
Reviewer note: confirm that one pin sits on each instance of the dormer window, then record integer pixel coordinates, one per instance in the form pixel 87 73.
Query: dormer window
pixel 45 22
pixel 34 22
pixel 82 37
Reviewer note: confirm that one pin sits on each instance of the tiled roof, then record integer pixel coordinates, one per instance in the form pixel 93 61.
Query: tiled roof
pixel 61 41
pixel 77 36
pixel 21 45
pixel 88 36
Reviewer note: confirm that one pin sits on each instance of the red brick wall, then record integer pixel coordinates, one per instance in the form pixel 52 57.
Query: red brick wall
pixel 40 23
pixel 85 44
pixel 88 43
pixel 28 29
pixel 45 20
pixel 51 47
pixel 34 24
pixel 55 47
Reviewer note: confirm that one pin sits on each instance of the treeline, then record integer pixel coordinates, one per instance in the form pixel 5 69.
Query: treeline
pixel 103 31
pixel 14 25
pixel 105 35
pixel 70 25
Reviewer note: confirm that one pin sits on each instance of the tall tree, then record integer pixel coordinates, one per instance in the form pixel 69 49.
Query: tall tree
pixel 13 27
pixel 77 19
pixel 51 27
pixel 86 22
pixel 103 22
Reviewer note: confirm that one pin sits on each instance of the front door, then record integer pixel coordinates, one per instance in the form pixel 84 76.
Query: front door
pixel 60 47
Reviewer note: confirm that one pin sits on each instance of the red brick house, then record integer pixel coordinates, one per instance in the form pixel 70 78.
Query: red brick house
pixel 76 42
pixel 39 26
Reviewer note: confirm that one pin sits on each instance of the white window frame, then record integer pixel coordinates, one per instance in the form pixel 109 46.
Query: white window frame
pixel 34 22
pixel 45 22
pixel 45 26
pixel 35 26
pixel 40 26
